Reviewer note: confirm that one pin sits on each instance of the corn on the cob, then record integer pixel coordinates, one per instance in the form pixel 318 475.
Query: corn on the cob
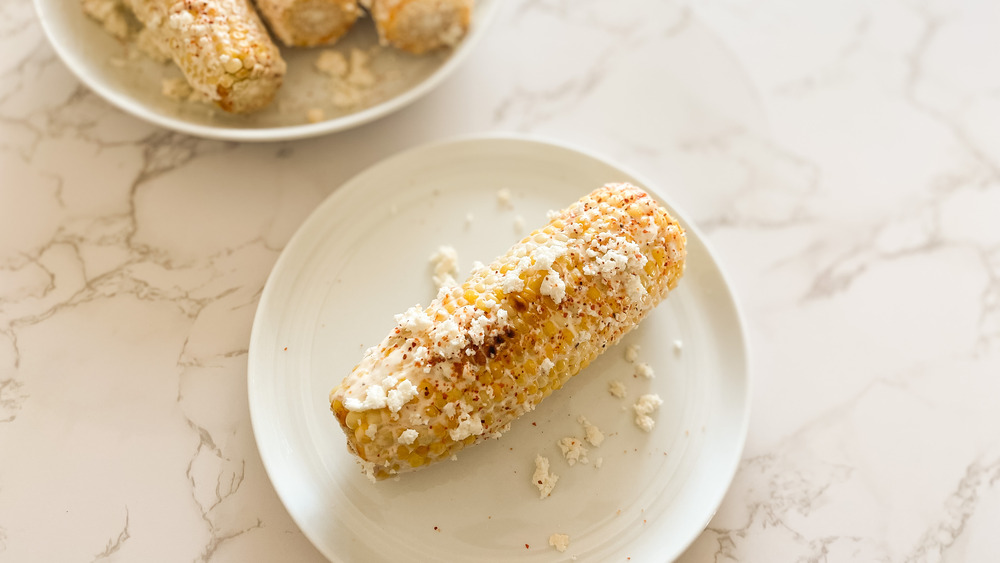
pixel 419 26
pixel 488 351
pixel 221 46
pixel 307 23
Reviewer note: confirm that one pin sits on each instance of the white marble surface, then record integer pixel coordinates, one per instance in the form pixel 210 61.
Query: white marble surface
pixel 843 157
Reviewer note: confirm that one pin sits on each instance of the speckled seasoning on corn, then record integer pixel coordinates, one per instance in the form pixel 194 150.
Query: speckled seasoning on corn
pixel 419 26
pixel 487 351
pixel 221 46
pixel 307 23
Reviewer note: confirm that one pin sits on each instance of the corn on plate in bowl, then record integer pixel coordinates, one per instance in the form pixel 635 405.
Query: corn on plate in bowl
pixel 312 100
pixel 353 265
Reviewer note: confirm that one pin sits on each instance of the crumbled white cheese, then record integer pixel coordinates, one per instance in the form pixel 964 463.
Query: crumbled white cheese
pixel 416 418
pixel 594 434
pixel 646 405
pixel 408 436
pixel 617 388
pixel 331 62
pixel 176 88
pixel 559 541
pixel 645 370
pixel 554 287
pixel 542 478
pixel 449 409
pixel 467 426
pixel 518 223
pixel 402 394
pixel 573 450
pixel 445 263
pixel 371 431
pixel 360 74
pixel 678 346
pixel 374 399
pixel 414 320
pixel 598 462
pixel 546 366
pixel 511 282
pixel 632 353
pixel 503 197
pixel 552 214
pixel 315 115
pixel 448 338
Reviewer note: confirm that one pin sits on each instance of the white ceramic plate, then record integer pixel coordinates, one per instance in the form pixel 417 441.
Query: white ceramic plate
pixel 134 83
pixel 362 256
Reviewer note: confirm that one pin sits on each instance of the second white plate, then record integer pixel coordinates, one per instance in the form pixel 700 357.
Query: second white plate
pixel 362 256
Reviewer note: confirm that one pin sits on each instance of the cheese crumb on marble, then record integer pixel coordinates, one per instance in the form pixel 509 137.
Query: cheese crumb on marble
pixel 544 480
pixel 573 450
pixel 632 353
pixel 617 388
pixel 598 463
pixel 518 223
pixel 559 541
pixel 645 406
pixel 645 370
pixel 445 263
pixel 678 345
pixel 503 197
pixel 593 433
pixel 408 436
pixel 469 218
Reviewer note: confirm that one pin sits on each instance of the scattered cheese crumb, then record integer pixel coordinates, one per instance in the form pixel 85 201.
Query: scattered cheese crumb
pixel 469 218
pixel 359 74
pixel 678 345
pixel 518 223
pixel 546 366
pixel 372 430
pixel 176 88
pixel 559 541
pixel 632 353
pixel 644 370
pixel 542 479
pixel 646 405
pixel 598 463
pixel 445 263
pixel 617 388
pixel 573 450
pixel 503 197
pixel 331 62
pixel 315 115
pixel 408 436
pixel 594 434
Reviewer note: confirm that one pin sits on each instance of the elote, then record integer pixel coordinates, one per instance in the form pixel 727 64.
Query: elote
pixel 487 351
pixel 419 26
pixel 221 46
pixel 308 23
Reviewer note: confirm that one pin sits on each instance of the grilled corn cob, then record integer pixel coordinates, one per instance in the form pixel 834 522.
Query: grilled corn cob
pixel 221 46
pixel 307 23
pixel 483 353
pixel 419 26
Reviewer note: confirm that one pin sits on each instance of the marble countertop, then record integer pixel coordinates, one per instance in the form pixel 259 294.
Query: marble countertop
pixel 842 157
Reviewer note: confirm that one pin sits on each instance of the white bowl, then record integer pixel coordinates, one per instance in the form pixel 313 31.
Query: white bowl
pixel 134 84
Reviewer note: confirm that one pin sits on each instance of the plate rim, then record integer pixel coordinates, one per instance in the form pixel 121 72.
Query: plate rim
pixel 339 192
pixel 138 110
